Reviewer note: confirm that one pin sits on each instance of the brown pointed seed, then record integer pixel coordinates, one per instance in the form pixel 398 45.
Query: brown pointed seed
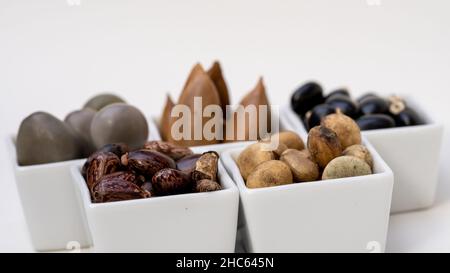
pixel 199 84
pixel 215 73
pixel 166 120
pixel 256 97
pixel 195 71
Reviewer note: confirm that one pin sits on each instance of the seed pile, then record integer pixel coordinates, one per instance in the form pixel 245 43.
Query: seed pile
pixel 116 173
pixel 211 87
pixel 333 150
pixel 106 118
pixel 369 111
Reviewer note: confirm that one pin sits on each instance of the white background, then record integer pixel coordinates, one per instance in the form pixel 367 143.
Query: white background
pixel 54 56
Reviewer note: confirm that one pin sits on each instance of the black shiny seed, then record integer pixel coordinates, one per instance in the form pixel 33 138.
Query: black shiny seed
pixel 365 96
pixel 306 97
pixel 375 121
pixel 344 103
pixel 342 91
pixel 317 113
pixel 373 105
pixel 408 117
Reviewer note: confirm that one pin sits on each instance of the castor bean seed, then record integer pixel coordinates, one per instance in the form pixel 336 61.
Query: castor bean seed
pixel 169 149
pixel 187 163
pixel 116 187
pixel 147 186
pixel 116 148
pixel 147 162
pixel 171 181
pixel 101 164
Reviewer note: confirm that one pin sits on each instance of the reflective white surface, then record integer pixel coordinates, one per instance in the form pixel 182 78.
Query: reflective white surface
pixel 54 56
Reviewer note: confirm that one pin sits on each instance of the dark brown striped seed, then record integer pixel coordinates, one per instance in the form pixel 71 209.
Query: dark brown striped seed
pixel 147 162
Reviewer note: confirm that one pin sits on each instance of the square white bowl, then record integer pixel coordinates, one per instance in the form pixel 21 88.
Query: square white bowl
pixel 194 222
pixel 221 148
pixel 52 212
pixel 412 152
pixel 340 215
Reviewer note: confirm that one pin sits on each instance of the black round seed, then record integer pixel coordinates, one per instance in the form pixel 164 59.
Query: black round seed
pixel 317 113
pixel 373 105
pixel 408 117
pixel 375 121
pixel 365 96
pixel 344 103
pixel 306 97
pixel 341 91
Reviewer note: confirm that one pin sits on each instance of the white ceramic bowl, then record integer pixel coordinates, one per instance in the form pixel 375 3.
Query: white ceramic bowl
pixel 196 222
pixel 412 152
pixel 341 215
pixel 221 148
pixel 53 215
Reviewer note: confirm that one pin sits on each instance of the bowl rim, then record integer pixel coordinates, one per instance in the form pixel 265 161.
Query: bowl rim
pixel 11 145
pixel 230 163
